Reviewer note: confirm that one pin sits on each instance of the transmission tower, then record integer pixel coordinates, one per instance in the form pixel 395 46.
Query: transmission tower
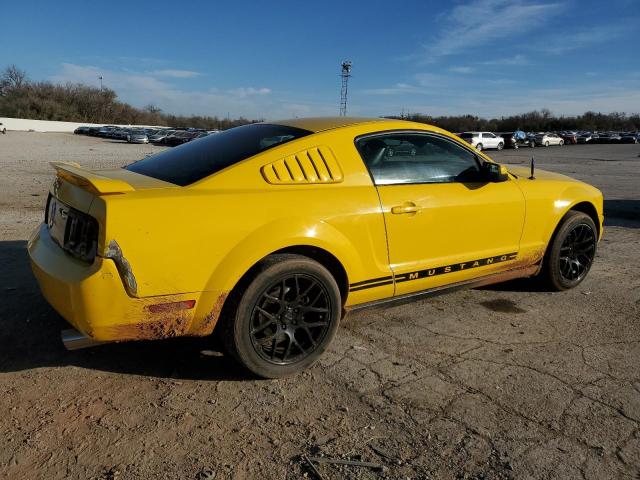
pixel 346 73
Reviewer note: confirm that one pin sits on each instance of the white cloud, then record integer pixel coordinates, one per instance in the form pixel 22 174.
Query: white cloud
pixel 570 41
pixel 463 70
pixel 516 60
pixel 243 92
pixel 482 21
pixel 140 89
pixel 175 73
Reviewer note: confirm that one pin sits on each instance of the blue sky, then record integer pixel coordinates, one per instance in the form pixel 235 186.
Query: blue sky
pixel 282 58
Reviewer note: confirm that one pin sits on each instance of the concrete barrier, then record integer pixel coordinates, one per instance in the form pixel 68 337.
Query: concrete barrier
pixel 23 124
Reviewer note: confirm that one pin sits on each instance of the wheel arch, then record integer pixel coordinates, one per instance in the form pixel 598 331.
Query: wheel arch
pixel 584 207
pixel 588 208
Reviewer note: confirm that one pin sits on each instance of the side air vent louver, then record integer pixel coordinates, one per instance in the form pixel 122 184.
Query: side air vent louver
pixel 315 165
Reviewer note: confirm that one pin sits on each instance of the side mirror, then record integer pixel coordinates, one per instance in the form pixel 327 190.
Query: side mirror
pixel 494 172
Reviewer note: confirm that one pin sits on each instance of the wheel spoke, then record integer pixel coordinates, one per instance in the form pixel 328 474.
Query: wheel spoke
pixel 270 316
pixel 315 309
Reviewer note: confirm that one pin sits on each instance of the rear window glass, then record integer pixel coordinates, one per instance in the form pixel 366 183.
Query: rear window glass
pixel 466 135
pixel 200 158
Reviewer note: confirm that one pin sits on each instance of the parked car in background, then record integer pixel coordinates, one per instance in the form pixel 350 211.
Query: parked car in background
pixel 483 140
pixel 180 137
pixel 585 138
pixel 516 139
pixel 82 130
pixel 137 136
pixel 569 138
pixel 548 139
pixel 160 135
pixel 629 138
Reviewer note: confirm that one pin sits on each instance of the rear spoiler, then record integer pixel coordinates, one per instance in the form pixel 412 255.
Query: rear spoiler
pixel 99 184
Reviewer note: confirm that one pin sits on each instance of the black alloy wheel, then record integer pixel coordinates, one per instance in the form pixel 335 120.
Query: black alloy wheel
pixel 285 314
pixel 571 252
pixel 290 319
pixel 577 252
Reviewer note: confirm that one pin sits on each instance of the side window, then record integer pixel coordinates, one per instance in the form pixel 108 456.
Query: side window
pixel 488 135
pixel 416 158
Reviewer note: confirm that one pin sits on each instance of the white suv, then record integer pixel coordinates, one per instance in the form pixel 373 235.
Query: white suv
pixel 3 129
pixel 483 140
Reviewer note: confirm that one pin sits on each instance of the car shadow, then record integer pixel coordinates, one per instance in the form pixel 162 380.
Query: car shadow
pixel 622 213
pixel 30 336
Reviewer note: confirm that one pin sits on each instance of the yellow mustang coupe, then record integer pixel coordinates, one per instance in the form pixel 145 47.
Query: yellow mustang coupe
pixel 270 232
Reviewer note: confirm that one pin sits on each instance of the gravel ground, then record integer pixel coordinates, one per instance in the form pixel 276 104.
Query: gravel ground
pixel 495 383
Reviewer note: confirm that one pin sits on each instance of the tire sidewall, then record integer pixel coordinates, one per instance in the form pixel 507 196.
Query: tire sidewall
pixel 241 339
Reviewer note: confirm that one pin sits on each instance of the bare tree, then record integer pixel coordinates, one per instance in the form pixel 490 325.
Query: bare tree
pixel 11 78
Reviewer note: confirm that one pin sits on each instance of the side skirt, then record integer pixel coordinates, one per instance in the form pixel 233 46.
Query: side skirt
pixel 453 287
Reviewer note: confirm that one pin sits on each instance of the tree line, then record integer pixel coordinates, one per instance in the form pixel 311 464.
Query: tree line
pixel 535 121
pixel 22 98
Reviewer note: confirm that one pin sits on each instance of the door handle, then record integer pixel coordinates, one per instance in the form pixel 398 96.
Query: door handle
pixel 406 207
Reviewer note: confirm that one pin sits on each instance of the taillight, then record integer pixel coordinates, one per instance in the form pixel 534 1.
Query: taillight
pixel 74 231
pixel 81 236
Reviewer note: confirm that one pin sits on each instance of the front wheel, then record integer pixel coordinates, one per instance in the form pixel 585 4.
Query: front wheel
pixel 286 318
pixel 571 252
pixel 515 146
pixel 561 143
pixel 546 144
pixel 500 146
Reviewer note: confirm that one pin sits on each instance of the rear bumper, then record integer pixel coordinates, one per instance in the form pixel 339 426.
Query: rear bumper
pixel 92 298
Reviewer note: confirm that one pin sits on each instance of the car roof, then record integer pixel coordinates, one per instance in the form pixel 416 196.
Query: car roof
pixel 320 124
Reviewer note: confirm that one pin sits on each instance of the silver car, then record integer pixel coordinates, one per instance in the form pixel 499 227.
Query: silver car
pixel 547 139
pixel 160 135
pixel 137 136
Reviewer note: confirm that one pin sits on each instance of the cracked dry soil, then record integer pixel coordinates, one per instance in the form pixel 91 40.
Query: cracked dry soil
pixel 496 383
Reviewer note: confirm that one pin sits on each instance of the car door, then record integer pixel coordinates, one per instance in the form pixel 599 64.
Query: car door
pixel 489 140
pixel 444 224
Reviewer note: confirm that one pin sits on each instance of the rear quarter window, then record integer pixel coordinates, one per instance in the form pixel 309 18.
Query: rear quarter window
pixel 200 158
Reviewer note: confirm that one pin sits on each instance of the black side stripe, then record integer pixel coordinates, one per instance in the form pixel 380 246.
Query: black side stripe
pixel 432 272
pixel 373 280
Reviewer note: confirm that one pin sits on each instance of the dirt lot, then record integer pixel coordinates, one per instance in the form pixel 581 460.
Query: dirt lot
pixel 503 382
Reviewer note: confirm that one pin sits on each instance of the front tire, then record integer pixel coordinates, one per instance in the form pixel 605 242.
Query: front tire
pixel 500 146
pixel 546 144
pixel 286 318
pixel 571 252
pixel 561 143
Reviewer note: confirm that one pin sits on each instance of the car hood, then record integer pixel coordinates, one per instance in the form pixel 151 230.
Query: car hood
pixel 525 173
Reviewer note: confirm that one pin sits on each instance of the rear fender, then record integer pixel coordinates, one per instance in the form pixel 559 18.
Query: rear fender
pixel 276 236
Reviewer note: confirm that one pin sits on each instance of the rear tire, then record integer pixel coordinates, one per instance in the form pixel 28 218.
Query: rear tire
pixel 570 253
pixel 479 147
pixel 286 317
pixel 546 144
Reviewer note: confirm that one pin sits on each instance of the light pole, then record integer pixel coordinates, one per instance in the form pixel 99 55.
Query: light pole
pixel 100 78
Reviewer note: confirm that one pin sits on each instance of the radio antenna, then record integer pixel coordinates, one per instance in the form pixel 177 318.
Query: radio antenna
pixel 533 168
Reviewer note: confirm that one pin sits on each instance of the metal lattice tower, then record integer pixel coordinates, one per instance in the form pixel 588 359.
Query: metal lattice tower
pixel 346 73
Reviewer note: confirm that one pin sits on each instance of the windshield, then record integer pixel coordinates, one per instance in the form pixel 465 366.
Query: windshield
pixel 194 161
